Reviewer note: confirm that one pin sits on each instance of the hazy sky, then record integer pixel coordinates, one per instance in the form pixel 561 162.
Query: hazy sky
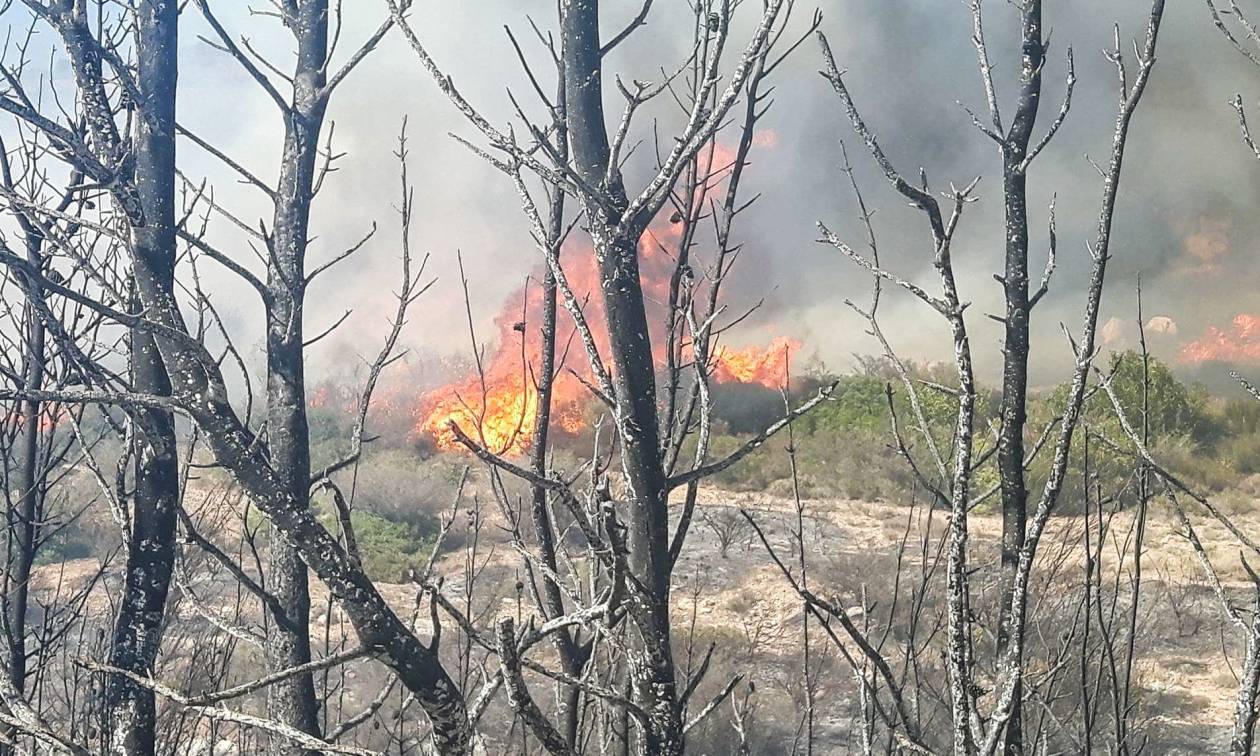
pixel 1185 220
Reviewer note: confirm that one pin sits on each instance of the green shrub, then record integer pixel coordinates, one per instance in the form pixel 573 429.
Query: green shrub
pixel 397 484
pixel 859 403
pixel 389 548
pixel 71 542
pixel 1176 409
pixel 1185 458
pixel 1242 453
pixel 1238 416
pixel 845 446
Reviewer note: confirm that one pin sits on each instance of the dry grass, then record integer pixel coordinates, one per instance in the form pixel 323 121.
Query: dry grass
pixel 741 602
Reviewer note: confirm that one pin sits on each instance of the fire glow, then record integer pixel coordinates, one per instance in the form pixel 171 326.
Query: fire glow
pixel 501 414
pixel 48 420
pixel 499 406
pixel 1239 343
pixel 766 367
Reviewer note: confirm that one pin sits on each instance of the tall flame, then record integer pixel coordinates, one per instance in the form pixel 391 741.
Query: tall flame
pixel 499 405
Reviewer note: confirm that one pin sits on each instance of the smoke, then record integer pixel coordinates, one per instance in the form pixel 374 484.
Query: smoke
pixel 1182 224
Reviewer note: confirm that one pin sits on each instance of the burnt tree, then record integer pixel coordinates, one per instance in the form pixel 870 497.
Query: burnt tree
pixel 620 351
pixel 138 170
pixel 291 701
pixel 199 387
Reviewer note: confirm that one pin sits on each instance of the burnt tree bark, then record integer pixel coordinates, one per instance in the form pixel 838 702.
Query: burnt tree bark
pixel 292 701
pixel 26 509
pixel 288 437
pixel 974 730
pixel 139 171
pixel 1014 410
pixel 151 543
pixel 633 375
pixel 198 385
pixel 616 221
pixel 573 656
pixel 200 391
pixel 33 448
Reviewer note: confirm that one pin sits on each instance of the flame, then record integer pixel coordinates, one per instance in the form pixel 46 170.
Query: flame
pixel 499 405
pixel 1240 343
pixel 767 367
pixel 501 417
pixel 720 158
pixel 766 138
pixel 335 397
pixel 320 397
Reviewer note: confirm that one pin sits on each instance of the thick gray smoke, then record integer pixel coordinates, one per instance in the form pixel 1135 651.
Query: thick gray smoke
pixel 1184 223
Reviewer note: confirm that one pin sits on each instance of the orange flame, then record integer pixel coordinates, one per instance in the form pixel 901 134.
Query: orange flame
pixel 1240 343
pixel 504 416
pixel 320 397
pixel 501 417
pixel 767 367
pixel 500 407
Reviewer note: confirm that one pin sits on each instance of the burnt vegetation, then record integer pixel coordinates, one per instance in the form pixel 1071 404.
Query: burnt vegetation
pixel 613 529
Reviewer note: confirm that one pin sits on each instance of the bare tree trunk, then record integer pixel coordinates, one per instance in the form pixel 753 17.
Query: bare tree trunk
pixel 198 387
pixel 150 558
pixel 293 701
pixel 1015 361
pixel 24 516
pixel 634 378
pixel 572 657
pixel 1245 704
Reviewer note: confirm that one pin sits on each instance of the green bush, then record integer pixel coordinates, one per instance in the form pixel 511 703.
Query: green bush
pixel 71 542
pixel 1238 416
pixel 1187 459
pixel 1175 408
pixel 845 447
pixel 859 403
pixel 1183 422
pixel 1242 453
pixel 397 484
pixel 389 548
